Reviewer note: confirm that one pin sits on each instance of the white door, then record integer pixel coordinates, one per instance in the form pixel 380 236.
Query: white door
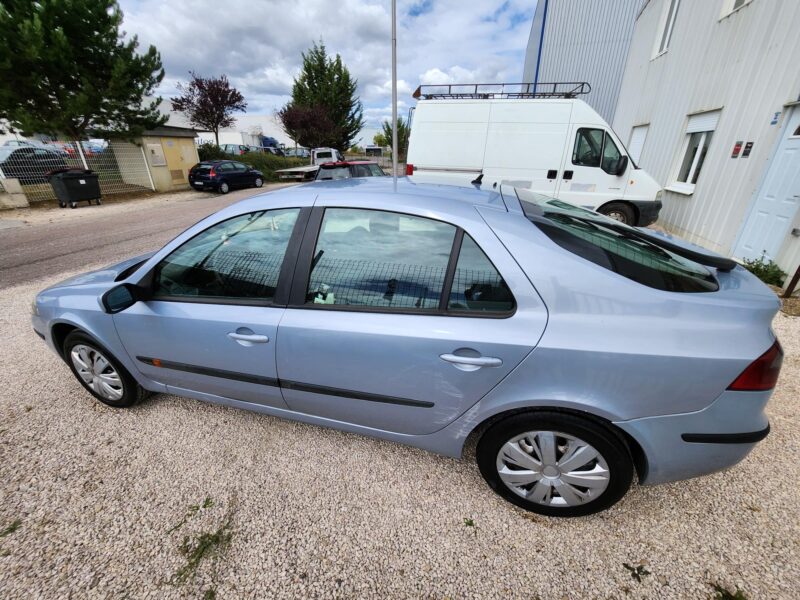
pixel 638 137
pixel 775 206
pixel 589 177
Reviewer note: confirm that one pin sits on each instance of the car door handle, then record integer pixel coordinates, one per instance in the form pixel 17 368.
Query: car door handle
pixel 472 361
pixel 248 338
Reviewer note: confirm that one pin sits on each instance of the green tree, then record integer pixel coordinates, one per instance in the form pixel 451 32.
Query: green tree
pixel 65 69
pixel 324 90
pixel 384 137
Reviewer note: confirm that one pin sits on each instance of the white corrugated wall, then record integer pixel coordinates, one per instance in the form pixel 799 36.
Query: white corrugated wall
pixel 587 40
pixel 748 65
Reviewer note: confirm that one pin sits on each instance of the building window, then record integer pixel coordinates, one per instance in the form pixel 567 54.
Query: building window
pixel 699 133
pixel 731 6
pixel 636 143
pixel 667 26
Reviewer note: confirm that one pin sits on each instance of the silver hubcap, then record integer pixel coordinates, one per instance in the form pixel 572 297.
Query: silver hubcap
pixel 259 183
pixel 617 216
pixel 223 187
pixel 96 372
pixel 552 468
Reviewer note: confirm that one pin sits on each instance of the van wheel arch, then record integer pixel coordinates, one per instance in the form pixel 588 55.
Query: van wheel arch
pixel 636 451
pixel 622 204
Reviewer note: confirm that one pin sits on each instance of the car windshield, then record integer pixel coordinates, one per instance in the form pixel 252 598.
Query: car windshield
pixel 615 246
pixel 326 173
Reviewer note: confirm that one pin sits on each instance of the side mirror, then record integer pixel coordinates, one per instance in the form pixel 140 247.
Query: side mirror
pixel 622 166
pixel 122 296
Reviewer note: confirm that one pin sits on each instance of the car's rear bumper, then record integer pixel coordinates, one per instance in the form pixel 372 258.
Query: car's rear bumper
pixel 648 211
pixel 692 444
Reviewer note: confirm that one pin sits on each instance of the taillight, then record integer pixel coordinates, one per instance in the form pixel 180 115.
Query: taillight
pixel 762 373
pixel 409 169
pixel 212 172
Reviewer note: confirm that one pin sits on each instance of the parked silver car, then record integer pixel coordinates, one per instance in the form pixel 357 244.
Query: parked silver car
pixel 574 349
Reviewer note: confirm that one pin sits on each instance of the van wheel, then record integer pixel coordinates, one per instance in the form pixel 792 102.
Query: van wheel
pixel 555 464
pixel 619 211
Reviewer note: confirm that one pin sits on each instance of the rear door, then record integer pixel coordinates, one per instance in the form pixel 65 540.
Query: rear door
pixel 244 175
pixel 404 322
pixel 211 326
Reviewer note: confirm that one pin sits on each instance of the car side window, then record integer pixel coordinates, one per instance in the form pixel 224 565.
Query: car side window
pixel 376 171
pixel 379 259
pixel 477 285
pixel 237 166
pixel 225 167
pixel 588 147
pixel 239 258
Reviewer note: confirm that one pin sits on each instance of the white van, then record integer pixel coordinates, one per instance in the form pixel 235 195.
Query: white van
pixel 556 146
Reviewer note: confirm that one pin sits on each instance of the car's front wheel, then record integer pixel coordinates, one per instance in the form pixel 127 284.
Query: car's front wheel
pixel 555 464
pixel 224 188
pixel 258 182
pixel 100 373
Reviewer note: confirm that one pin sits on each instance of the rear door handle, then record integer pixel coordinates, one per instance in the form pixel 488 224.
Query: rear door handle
pixel 472 361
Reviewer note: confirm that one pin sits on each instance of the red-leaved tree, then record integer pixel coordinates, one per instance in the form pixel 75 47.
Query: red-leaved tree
pixel 209 102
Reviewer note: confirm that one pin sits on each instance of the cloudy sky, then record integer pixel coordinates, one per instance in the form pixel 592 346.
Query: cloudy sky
pixel 257 44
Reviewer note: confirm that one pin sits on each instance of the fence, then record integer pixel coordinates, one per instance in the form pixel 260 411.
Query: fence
pixel 121 166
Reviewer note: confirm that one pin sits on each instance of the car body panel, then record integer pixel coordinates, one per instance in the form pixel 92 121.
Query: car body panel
pixel 656 364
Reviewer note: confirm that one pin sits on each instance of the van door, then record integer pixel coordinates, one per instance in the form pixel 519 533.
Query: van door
pixel 589 176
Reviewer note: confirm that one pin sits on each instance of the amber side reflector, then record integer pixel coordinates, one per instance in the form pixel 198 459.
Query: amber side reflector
pixel 762 373
pixel 156 362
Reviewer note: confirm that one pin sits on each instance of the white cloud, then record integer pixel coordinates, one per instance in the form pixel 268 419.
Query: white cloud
pixel 258 45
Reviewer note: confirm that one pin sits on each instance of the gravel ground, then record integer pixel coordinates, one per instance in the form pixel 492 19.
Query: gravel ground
pixel 121 503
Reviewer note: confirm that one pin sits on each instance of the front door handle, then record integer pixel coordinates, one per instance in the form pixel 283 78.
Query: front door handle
pixel 245 337
pixel 475 362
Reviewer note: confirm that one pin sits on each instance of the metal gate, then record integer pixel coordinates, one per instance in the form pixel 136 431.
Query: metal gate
pixel 121 166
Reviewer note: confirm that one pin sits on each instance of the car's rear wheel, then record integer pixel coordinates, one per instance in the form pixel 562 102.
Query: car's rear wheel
pixel 100 373
pixel 555 464
pixel 258 182
pixel 619 211
pixel 224 188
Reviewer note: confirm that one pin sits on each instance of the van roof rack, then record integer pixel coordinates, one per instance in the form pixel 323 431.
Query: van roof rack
pixel 483 91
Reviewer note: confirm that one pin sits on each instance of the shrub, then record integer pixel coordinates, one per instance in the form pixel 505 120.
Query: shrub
pixel 269 163
pixel 210 151
pixel 767 271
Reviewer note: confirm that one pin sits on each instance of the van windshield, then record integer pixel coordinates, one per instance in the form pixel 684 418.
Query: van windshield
pixel 615 246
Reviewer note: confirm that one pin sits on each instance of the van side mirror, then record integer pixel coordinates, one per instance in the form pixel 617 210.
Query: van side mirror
pixel 123 296
pixel 622 166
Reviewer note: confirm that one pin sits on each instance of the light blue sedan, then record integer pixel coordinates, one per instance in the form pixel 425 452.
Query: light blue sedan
pixel 575 350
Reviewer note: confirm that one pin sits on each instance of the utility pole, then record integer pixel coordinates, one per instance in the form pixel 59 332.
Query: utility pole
pixel 394 91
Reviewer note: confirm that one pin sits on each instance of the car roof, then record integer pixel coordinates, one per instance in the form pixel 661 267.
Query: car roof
pixel 448 198
pixel 345 163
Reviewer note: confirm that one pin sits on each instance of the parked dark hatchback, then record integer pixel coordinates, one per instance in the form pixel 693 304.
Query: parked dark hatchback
pixel 30 164
pixel 224 175
pixel 347 169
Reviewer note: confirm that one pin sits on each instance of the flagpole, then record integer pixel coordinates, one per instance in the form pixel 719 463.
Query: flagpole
pixel 394 91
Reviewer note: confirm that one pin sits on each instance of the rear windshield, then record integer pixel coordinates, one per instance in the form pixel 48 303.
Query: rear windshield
pixel 615 246
pixel 203 167
pixel 324 155
pixel 333 173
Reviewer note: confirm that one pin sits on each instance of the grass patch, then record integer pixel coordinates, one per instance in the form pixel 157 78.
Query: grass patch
pixel 190 512
pixel 205 545
pixel 469 523
pixel 638 572
pixel 11 528
pixel 722 593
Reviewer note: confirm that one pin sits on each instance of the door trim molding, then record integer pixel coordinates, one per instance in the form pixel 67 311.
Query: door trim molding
pixel 289 385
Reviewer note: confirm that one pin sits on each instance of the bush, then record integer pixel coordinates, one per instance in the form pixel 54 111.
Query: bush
pixel 767 271
pixel 210 151
pixel 269 163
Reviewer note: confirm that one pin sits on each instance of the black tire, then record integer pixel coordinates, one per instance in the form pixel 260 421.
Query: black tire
pixel 73 205
pixel 132 392
pixel 62 205
pixel 223 187
pixel 609 444
pixel 619 211
pixel 258 182
pixel 98 202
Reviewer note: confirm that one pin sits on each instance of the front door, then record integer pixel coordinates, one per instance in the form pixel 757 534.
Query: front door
pixel 389 332
pixel 589 177
pixel 773 213
pixel 211 326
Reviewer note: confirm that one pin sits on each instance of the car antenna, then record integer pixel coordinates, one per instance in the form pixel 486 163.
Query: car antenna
pixel 478 180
